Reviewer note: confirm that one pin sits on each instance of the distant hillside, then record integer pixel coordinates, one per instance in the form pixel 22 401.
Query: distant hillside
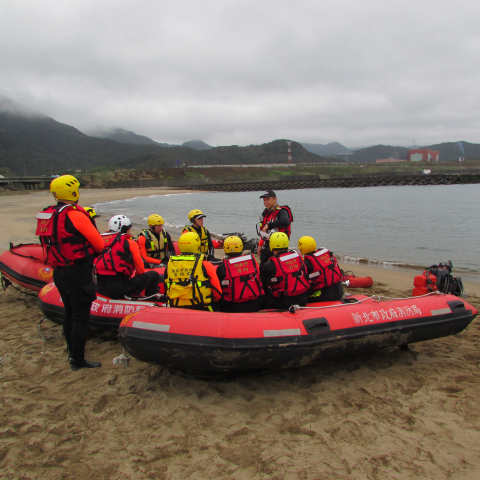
pixel 124 136
pixel 39 145
pixel 371 154
pixel 330 149
pixel 197 145
pixel 272 152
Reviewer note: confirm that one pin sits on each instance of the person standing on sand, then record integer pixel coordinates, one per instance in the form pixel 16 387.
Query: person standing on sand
pixel 71 240
pixel 274 218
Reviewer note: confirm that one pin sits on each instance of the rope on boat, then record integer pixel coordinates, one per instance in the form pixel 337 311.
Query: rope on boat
pixel 376 298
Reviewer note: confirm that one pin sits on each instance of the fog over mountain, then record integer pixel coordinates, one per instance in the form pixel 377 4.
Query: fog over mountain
pixel 242 73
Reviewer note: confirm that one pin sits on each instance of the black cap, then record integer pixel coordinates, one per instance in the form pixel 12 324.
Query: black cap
pixel 269 194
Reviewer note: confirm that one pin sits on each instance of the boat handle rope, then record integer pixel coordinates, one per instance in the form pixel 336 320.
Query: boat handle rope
pixel 376 298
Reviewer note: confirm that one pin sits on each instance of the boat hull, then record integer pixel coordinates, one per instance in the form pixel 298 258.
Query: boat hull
pixel 24 265
pixel 104 312
pixel 208 343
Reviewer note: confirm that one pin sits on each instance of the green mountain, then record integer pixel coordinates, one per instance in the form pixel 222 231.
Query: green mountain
pixel 33 144
pixel 126 136
pixel 197 145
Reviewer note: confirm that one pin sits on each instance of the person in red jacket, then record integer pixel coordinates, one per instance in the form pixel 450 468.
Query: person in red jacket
pixel 283 274
pixel 119 269
pixel 274 218
pixel 324 272
pixel 239 275
pixel 154 242
pixel 71 240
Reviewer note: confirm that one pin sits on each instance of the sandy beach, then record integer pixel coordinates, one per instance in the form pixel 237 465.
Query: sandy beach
pixel 390 415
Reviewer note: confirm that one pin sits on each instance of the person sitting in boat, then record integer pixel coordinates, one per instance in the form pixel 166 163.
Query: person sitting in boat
pixel 190 280
pixel 92 214
pixel 119 269
pixel 324 273
pixel 154 242
pixel 207 243
pixel 239 276
pixel 284 275
pixel 274 218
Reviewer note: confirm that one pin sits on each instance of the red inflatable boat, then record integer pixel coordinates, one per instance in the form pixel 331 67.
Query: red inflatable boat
pixel 104 312
pixel 24 265
pixel 202 342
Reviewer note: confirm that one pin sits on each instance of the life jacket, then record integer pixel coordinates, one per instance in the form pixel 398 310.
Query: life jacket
pixel 155 247
pixel 326 270
pixel 270 215
pixel 62 243
pixel 186 281
pixel 108 238
pixel 290 277
pixel 203 234
pixel 242 279
pixel 116 259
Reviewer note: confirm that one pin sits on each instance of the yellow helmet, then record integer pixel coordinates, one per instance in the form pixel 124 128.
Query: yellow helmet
pixel 189 242
pixel 155 219
pixel 65 188
pixel 278 240
pixel 306 244
pixel 91 211
pixel 194 214
pixel 233 244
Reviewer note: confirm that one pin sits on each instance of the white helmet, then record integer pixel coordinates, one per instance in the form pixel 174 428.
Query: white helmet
pixel 119 223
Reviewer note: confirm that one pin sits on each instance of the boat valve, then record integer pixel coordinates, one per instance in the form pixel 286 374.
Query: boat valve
pixel 293 308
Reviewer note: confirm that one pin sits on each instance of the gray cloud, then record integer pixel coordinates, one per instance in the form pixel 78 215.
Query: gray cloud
pixel 232 72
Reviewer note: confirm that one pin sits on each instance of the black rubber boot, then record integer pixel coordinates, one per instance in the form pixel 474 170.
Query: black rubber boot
pixel 83 364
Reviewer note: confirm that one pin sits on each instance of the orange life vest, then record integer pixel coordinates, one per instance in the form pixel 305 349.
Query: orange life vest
pixel 270 215
pixel 62 243
pixel 242 279
pixel 117 259
pixel 326 270
pixel 290 276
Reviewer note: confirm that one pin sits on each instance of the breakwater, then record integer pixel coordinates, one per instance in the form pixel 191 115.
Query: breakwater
pixel 314 181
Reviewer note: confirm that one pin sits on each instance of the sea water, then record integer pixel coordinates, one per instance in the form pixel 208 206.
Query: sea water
pixel 393 226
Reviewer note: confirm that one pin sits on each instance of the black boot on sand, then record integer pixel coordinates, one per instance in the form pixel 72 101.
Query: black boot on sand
pixel 83 364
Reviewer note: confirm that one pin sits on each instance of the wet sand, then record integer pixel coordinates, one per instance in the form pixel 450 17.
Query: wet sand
pixel 389 415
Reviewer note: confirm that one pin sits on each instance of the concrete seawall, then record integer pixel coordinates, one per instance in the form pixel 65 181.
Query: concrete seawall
pixel 341 182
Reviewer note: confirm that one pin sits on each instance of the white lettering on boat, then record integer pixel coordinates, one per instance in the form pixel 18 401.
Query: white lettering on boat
pixel 387 314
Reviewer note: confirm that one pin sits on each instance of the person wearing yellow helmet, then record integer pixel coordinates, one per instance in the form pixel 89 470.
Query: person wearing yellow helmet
pixel 197 218
pixel 239 276
pixel 71 240
pixel 190 280
pixel 324 272
pixel 92 213
pixel 283 274
pixel 154 242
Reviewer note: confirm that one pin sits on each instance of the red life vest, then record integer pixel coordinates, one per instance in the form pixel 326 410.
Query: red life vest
pixel 326 270
pixel 117 259
pixel 270 216
pixel 63 244
pixel 290 277
pixel 242 279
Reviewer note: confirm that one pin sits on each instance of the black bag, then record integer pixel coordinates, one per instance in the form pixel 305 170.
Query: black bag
pixel 446 282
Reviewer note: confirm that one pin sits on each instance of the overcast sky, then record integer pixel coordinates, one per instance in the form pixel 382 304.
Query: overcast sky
pixel 248 72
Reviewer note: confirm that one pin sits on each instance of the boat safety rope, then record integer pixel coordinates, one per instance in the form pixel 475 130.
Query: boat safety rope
pixel 376 298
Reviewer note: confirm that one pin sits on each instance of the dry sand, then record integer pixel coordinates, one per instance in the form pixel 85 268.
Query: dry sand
pixel 390 415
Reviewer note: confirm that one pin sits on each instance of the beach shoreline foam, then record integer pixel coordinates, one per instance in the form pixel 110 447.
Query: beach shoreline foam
pixel 389 415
